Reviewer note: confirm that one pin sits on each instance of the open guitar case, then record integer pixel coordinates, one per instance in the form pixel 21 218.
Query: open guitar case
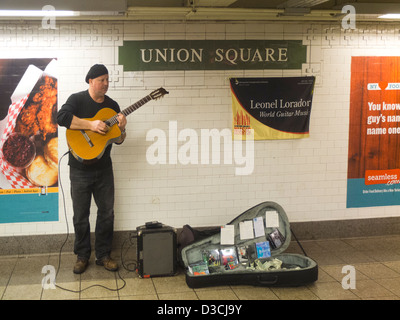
pixel 208 263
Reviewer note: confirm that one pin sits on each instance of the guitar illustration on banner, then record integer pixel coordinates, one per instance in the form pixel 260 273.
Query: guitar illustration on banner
pixel 88 146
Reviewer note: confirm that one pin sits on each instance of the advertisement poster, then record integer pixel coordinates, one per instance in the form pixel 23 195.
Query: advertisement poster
pixel 275 108
pixel 28 140
pixel 373 174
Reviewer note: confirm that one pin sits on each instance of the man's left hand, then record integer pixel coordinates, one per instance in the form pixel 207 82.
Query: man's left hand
pixel 121 121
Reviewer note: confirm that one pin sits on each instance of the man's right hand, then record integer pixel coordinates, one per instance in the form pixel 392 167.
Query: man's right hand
pixel 99 127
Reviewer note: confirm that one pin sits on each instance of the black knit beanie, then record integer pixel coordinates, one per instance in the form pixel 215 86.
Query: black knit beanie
pixel 96 71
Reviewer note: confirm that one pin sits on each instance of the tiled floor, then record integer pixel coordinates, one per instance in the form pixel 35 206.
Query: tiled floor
pixel 376 261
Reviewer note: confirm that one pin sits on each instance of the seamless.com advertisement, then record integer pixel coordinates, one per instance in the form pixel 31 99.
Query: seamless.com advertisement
pixel 374 132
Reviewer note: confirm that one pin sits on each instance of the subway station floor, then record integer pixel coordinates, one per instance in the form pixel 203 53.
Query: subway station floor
pixel 376 261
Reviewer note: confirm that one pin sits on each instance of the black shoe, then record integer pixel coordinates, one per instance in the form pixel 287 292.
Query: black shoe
pixel 108 263
pixel 80 265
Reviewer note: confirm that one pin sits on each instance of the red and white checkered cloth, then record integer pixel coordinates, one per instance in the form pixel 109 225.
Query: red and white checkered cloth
pixel 16 180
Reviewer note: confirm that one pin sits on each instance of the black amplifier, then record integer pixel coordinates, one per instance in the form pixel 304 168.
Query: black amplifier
pixel 156 250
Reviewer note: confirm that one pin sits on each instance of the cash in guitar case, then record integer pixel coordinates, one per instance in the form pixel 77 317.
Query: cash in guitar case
pixel 259 260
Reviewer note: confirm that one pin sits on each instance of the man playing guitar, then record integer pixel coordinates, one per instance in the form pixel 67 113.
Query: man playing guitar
pixel 92 177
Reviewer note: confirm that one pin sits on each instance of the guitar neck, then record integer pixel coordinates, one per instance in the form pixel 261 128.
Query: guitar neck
pixel 129 110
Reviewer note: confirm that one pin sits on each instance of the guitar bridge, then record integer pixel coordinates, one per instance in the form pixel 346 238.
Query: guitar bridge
pixel 87 138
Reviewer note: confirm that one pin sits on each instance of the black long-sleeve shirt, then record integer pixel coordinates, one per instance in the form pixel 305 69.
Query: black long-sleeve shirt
pixel 82 105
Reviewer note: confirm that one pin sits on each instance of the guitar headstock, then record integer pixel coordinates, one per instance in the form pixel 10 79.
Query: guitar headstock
pixel 159 93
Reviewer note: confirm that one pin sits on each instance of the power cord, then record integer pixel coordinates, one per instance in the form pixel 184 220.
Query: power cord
pixel 126 267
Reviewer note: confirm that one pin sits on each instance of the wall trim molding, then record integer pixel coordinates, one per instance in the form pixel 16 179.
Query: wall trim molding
pixel 314 230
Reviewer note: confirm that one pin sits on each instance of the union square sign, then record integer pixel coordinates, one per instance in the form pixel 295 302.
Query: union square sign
pixel 162 55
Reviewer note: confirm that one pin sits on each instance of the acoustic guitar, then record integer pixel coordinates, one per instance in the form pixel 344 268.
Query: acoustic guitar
pixel 88 146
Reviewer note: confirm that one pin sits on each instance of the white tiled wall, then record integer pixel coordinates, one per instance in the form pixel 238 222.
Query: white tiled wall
pixel 307 177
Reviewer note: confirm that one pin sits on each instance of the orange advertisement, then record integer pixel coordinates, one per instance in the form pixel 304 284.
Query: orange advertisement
pixel 373 174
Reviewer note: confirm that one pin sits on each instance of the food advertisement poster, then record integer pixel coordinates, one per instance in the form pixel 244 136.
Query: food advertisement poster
pixel 28 140
pixel 373 175
pixel 272 108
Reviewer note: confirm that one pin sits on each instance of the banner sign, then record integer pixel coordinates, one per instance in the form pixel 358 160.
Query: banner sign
pixel 161 55
pixel 373 174
pixel 28 140
pixel 275 108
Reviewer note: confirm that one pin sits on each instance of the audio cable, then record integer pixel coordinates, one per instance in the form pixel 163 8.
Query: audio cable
pixel 67 237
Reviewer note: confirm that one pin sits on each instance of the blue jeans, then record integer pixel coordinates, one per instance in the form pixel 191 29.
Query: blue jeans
pixel 100 184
